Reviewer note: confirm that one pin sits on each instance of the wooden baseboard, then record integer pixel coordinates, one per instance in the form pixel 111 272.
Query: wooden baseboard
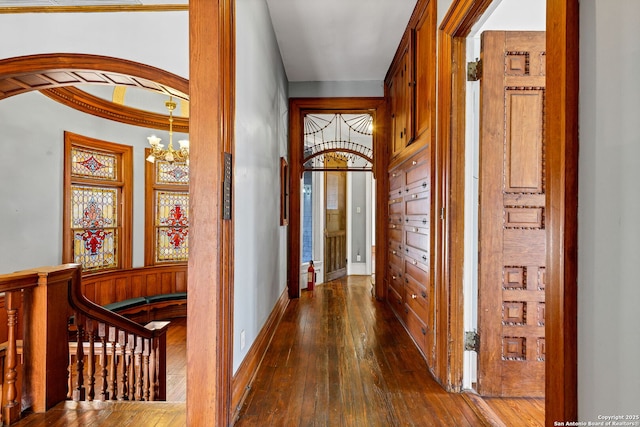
pixel 243 378
pixel 482 409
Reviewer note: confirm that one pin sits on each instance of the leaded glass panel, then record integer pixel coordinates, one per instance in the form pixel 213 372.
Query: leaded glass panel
pixel 94 226
pixel 172 173
pixel 93 164
pixel 172 226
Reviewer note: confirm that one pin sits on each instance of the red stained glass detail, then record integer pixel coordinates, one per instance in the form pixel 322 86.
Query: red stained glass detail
pixel 92 164
pixel 93 240
pixel 177 222
pixel 93 220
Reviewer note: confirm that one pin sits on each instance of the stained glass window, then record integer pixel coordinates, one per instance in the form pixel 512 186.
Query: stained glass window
pixel 172 226
pixel 98 203
pixel 94 226
pixel 92 164
pixel 167 201
pixel 172 173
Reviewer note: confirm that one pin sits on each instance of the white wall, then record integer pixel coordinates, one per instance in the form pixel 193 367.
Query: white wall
pixel 33 125
pixel 609 210
pixel 261 139
pixel 32 188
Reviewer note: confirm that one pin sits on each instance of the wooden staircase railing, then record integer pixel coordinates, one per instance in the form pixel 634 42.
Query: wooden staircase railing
pixel 128 358
pixel 111 357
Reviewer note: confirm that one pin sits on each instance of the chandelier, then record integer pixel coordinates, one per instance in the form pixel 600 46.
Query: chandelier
pixel 170 154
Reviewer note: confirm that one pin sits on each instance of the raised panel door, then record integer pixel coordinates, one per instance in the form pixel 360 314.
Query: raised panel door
pixel 512 235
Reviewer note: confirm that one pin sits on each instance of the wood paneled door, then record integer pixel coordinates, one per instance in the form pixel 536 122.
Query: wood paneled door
pixel 335 232
pixel 512 252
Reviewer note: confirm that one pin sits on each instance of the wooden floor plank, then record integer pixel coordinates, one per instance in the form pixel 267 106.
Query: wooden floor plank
pixel 357 367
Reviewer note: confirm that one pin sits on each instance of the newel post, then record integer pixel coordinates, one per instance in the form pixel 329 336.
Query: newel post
pixel 159 356
pixel 46 346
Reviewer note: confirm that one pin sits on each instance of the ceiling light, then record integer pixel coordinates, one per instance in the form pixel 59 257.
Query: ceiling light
pixel 170 154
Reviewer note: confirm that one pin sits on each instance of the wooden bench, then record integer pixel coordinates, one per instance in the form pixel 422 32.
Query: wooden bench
pixel 151 308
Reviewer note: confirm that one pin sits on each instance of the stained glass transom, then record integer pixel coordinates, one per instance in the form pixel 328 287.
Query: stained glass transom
pixel 176 173
pixel 172 226
pixel 93 164
pixel 345 138
pixel 94 226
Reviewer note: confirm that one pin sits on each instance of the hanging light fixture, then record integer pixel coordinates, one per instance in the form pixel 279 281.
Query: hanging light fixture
pixel 170 154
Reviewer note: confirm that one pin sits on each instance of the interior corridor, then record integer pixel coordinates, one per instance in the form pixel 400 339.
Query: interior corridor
pixel 341 358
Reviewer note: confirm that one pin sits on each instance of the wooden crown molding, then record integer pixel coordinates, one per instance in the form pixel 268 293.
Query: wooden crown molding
pixel 91 104
pixel 95 9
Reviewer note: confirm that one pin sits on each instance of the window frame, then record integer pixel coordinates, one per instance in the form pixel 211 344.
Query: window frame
pixel 151 187
pixel 123 184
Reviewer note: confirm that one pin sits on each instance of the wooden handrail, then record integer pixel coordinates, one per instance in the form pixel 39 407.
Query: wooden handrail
pixel 18 280
pixel 80 303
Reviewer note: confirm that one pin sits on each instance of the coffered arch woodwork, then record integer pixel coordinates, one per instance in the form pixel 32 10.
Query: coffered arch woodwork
pixel 56 76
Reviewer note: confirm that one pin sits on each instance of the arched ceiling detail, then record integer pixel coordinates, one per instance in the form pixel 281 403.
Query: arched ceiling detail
pixel 55 75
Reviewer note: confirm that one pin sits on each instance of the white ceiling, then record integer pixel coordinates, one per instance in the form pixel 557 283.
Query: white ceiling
pixel 320 40
pixel 339 40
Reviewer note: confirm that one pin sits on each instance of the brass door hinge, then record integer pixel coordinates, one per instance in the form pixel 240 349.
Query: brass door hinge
pixel 471 341
pixel 474 71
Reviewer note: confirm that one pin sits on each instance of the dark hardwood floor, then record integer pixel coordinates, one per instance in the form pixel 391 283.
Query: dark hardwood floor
pixel 338 358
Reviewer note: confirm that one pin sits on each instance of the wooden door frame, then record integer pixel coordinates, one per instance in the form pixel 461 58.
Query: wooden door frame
pixel 561 134
pixel 210 281
pixel 298 107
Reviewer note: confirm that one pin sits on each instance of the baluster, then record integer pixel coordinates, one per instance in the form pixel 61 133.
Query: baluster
pixel 11 409
pixel 153 367
pixel 122 365
pixel 146 369
pixel 113 390
pixel 79 390
pixel 104 360
pixel 70 377
pixel 91 365
pixel 131 346
pixel 138 363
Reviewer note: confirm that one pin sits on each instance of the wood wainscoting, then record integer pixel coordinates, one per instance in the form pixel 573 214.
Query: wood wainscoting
pixel 119 285
pixel 241 382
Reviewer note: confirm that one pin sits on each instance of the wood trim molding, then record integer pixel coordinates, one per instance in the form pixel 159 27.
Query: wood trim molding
pixel 104 8
pixel 43 71
pixel 298 107
pixel 561 391
pixel 90 104
pixel 248 369
pixel 210 282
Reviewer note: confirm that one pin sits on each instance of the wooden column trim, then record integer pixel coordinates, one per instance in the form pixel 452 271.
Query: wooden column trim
pixel 449 188
pixel 210 281
pixel 561 137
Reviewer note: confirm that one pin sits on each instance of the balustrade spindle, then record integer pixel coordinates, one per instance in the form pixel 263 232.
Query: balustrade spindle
pixel 91 361
pixel 138 364
pixel 113 390
pixel 132 367
pixel 102 333
pixel 153 367
pixel 79 390
pixel 11 409
pixel 147 369
pixel 122 366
